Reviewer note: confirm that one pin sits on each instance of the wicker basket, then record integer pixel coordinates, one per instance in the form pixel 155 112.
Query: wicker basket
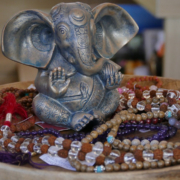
pixel 55 173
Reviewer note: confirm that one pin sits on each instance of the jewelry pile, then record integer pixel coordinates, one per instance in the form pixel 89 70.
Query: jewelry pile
pixel 107 147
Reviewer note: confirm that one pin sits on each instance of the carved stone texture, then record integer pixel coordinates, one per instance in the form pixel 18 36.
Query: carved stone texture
pixel 71 48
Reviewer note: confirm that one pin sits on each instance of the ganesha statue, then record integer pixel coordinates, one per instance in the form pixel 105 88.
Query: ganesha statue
pixel 71 48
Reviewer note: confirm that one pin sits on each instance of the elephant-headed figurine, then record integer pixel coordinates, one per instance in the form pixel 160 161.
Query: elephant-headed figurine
pixel 71 48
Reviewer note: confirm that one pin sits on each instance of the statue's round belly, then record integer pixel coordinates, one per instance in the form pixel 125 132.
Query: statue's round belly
pixel 84 93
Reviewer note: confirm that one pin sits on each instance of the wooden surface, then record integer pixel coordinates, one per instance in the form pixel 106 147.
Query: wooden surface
pixel 169 10
pixel 8 70
pixel 11 172
pixel 162 8
pixel 172 44
pixel 150 5
pixel 26 73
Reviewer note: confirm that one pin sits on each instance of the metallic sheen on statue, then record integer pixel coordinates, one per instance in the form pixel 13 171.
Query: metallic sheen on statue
pixel 71 48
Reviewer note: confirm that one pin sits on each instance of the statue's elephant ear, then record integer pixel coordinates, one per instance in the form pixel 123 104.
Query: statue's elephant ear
pixel 28 38
pixel 114 28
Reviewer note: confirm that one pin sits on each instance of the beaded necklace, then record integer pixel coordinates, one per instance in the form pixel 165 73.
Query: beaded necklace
pixel 133 82
pixel 116 154
pixel 23 97
pixel 108 157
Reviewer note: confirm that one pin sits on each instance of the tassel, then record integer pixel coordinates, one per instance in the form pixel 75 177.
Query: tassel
pixel 9 108
pixel 13 158
pixel 19 159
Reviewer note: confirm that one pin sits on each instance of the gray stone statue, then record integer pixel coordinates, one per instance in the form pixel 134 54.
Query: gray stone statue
pixel 71 48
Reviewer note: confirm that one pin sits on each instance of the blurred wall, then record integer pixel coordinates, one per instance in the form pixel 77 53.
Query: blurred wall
pixel 9 70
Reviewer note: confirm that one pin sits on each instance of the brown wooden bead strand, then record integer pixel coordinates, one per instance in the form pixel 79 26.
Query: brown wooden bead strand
pixel 63 153
pixel 143 116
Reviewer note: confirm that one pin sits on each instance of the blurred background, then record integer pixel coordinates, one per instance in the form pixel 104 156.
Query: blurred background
pixel 155 50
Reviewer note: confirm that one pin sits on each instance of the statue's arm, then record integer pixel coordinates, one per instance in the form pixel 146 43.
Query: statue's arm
pixel 111 75
pixel 41 81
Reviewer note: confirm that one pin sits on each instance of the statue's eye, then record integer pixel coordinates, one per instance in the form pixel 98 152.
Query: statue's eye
pixel 63 30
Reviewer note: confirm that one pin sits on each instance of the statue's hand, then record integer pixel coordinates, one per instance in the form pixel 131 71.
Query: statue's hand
pixel 58 84
pixel 114 80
